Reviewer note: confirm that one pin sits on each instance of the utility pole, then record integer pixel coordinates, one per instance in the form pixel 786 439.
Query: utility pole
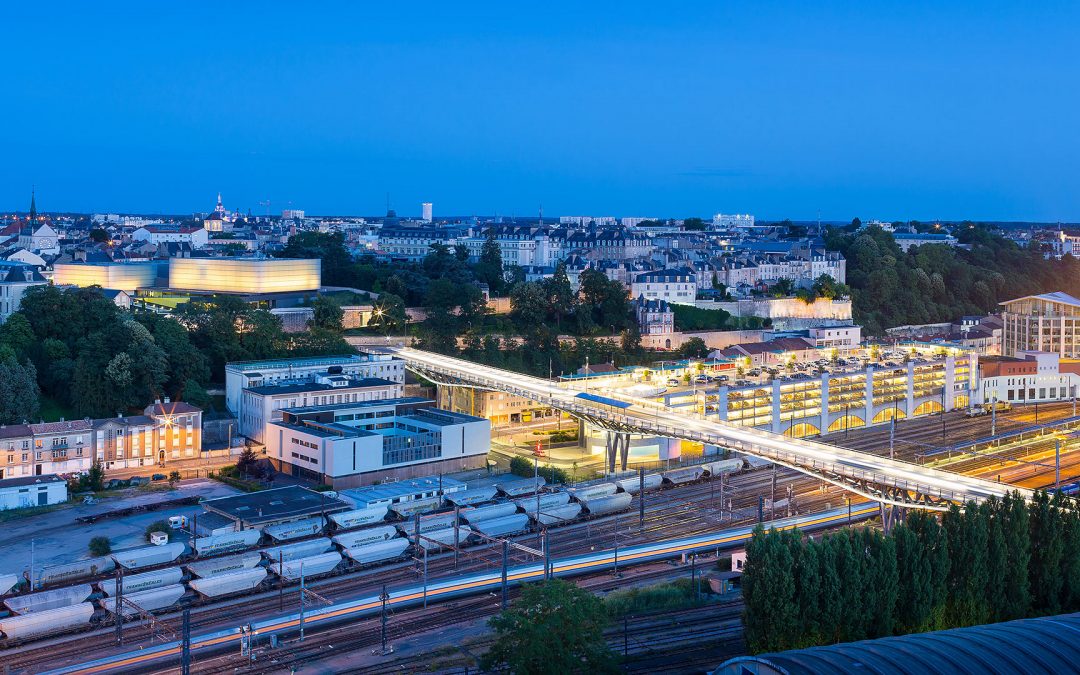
pixel 505 557
pixel 281 583
pixel 185 646
pixel 457 533
pixel 641 497
pixel 119 605
pixel 301 601
pixel 993 416
pixel 548 571
pixel 1057 463
pixel 384 597
pixel 616 520
pixel 892 435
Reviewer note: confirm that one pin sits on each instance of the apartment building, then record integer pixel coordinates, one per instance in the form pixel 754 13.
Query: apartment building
pixel 1049 322
pixel 15 279
pixel 1027 377
pixel 677 286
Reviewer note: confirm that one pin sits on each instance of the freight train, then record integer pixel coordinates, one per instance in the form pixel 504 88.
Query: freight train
pixel 82 595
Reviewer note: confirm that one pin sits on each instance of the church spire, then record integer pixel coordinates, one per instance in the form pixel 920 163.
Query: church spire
pixel 33 206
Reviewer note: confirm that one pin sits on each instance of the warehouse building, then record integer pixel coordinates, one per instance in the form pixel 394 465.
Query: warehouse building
pixel 351 444
pixel 26 491
pixel 267 507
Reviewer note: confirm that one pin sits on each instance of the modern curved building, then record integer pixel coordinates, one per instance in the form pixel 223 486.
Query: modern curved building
pixel 245 275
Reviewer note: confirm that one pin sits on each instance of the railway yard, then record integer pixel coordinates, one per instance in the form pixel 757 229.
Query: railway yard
pixel 695 502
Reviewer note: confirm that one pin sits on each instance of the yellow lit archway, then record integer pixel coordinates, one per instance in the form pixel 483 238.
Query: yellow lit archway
pixel 847 422
pixel 927 408
pixel 887 414
pixel 801 430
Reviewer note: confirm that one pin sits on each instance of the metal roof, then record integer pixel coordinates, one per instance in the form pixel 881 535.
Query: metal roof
pixel 1043 645
pixel 1056 296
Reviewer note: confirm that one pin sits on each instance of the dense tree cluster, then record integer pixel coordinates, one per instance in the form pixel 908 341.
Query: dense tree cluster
pixel 95 359
pixel 995 561
pixel 554 627
pixel 936 283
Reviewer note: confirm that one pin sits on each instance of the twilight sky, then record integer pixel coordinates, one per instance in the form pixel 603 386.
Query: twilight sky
pixel 891 110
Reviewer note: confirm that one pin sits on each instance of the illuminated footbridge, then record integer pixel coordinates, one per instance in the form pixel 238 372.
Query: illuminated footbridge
pixel 878 478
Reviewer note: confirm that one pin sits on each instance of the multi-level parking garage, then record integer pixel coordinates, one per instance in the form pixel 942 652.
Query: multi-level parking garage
pixel 887 481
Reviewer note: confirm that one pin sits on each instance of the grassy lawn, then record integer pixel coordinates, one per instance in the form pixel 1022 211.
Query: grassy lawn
pixel 52 410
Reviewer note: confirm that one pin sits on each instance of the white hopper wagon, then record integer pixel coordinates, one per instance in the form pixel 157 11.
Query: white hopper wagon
pixel 228 583
pixel 347 520
pixel 136 583
pixel 687 474
pixel 471 497
pixel 592 491
pixel 151 601
pixel 227 543
pixel 66 573
pixel 633 485
pixel 556 515
pixel 224 564
pixel 437 539
pixel 48 622
pixel 149 556
pixel 296 529
pixel 546 501
pixel 501 527
pixel 521 486
pixel 720 467
pixel 312 566
pixel 610 504
pixel 490 511
pixel 382 551
pixel 46 600
pixel 8 582
pixel 414 506
pixel 434 521
pixel 300 549
pixel 368 535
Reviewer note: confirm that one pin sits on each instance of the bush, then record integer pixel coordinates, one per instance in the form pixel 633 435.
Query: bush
pixel 157 526
pixel 174 476
pixel 668 596
pixel 100 546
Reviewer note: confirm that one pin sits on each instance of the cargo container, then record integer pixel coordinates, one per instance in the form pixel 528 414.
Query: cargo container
pixel 521 486
pixel 720 467
pixel 382 551
pixel 8 582
pixel 228 583
pixel 490 511
pixel 471 497
pixel 610 504
pixel 687 474
pixel 49 622
pixel 149 556
pixel 633 485
pixel 546 500
pixel 591 491
pixel 295 529
pixel 82 569
pixel 300 549
pixel 367 535
pixel 348 520
pixel 151 601
pixel 45 600
pixel 136 583
pixel 312 566
pixel 224 564
pixel 556 515
pixel 227 543
pixel 437 539
pixel 501 527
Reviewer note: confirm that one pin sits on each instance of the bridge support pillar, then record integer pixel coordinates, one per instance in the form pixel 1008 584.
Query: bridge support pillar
pixel 618 445
pixel 891 516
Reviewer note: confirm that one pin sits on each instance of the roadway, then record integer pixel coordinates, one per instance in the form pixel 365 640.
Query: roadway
pixel 879 478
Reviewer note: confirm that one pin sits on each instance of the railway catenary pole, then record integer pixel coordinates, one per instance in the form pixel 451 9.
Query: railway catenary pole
pixel 547 554
pixel 383 597
pixel 641 497
pixel 281 582
pixel 425 572
pixel 119 613
pixel 761 509
pixel 1057 463
pixel 772 504
pixel 505 560
pixel 457 533
pixel 301 601
pixel 615 519
pixel 185 644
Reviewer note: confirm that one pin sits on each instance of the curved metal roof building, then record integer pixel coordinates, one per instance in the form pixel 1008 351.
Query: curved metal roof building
pixel 1043 645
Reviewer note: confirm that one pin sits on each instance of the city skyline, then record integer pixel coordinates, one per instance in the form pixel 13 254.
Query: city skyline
pixel 891 112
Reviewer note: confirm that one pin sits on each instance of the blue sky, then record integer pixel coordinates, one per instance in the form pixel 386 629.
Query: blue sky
pixel 870 109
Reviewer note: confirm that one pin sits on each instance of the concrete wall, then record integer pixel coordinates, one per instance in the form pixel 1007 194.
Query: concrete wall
pixel 790 313
pixel 714 339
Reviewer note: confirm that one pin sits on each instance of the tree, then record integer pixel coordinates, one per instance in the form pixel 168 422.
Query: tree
pixel 783 288
pixel 554 627
pixel 94 478
pixel 18 334
pixel 389 314
pixel 19 392
pixel 694 224
pixel 771 616
pixel 1017 534
pixel 156 526
pixel 99 546
pixel 248 462
pixel 328 314
pixel 490 268
pixel 694 348
pixel 808 584
pixel 99 235
pixel 329 247
pixel 561 297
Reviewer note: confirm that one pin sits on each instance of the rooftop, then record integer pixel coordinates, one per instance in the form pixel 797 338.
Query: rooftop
pixel 287 503
pixel 1057 296
pixel 301 387
pixel 404 488
pixel 30 480
pixel 309 362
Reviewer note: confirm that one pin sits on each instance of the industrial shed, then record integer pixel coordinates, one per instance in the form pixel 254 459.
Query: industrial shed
pixel 1044 645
